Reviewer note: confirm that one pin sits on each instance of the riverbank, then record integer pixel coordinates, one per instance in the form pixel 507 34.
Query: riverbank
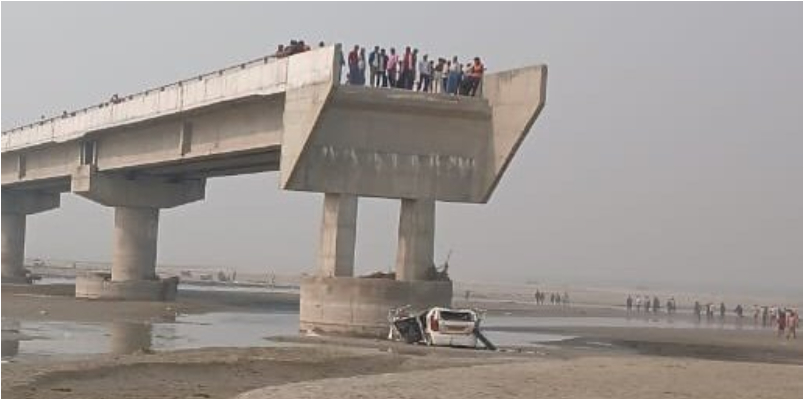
pixel 579 351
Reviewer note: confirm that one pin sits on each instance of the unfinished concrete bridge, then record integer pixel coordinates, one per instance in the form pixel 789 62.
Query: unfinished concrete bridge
pixel 156 149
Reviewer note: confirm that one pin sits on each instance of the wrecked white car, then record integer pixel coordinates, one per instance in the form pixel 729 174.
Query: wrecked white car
pixel 437 326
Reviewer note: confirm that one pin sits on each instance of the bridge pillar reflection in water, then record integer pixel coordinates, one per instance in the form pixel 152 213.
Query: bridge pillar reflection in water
pixel 130 337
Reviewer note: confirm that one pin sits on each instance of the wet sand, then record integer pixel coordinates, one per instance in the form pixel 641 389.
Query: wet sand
pixel 203 373
pixel 596 377
pixel 57 303
pixel 598 362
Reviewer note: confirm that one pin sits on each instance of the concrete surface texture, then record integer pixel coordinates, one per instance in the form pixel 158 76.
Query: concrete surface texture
pixel 13 248
pixel 99 285
pixel 414 258
pixel 135 234
pixel 360 306
pixel 336 253
pixel 155 150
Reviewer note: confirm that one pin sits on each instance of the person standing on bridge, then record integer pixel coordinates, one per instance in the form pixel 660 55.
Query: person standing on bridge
pixel 476 75
pixel 438 75
pixel 361 67
pixel 413 68
pixel 425 74
pixel 390 69
pixel 382 78
pixel 374 67
pixel 352 62
pixel 454 77
pixel 407 68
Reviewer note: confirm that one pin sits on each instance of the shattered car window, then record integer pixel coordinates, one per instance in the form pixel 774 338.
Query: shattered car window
pixel 456 316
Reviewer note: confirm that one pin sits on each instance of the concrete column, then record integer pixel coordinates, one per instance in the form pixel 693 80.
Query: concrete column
pixel 134 253
pixel 336 253
pixel 414 258
pixel 13 250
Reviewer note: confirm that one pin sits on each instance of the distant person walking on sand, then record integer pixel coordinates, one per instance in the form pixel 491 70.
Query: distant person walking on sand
pixel 647 304
pixel 697 310
pixel 781 323
pixel 739 311
pixel 629 302
pixel 638 303
pixel 792 323
pixel 722 310
pixel 773 314
pixel 764 316
pixel 656 305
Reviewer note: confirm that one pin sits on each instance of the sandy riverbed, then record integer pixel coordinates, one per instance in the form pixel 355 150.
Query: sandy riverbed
pixel 598 362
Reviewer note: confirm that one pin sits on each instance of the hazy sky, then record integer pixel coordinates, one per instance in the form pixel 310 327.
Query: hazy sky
pixel 669 150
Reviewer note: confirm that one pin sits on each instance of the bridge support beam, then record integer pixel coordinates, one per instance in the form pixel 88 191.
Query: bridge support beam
pixel 137 203
pixel 336 252
pixel 16 206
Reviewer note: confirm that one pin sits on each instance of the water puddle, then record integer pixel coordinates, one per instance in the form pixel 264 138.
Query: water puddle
pixel 496 322
pixel 196 286
pixel 523 339
pixel 30 340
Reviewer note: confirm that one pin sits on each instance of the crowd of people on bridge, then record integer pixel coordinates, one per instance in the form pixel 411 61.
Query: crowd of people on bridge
pixel 412 71
pixel 402 70
pixel 294 47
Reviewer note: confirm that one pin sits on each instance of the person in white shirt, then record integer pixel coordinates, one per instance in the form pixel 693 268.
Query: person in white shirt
pixel 425 75
pixel 391 68
pixel 454 78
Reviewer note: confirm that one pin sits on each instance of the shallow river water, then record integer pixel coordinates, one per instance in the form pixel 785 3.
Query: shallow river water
pixel 32 340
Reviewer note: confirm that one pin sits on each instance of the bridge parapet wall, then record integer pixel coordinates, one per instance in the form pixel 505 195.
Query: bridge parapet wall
pixel 262 77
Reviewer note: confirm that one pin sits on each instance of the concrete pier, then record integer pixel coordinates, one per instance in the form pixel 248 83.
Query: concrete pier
pixel 414 260
pixel 13 247
pixel 336 253
pixel 136 229
pixel 135 234
pixel 360 306
pixel 337 303
pixel 17 205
